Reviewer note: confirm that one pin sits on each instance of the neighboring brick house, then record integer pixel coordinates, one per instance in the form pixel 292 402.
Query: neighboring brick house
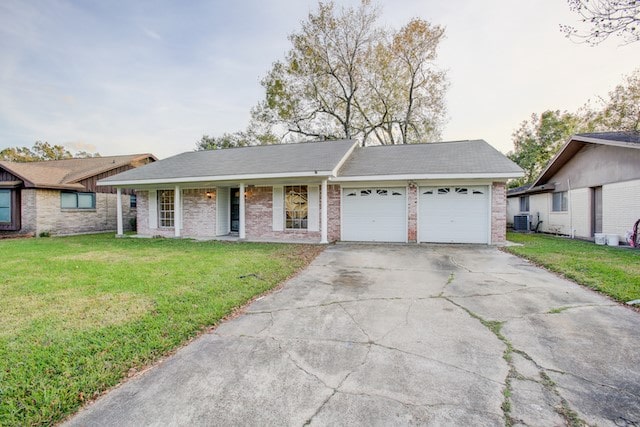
pixel 61 196
pixel 591 186
pixel 327 191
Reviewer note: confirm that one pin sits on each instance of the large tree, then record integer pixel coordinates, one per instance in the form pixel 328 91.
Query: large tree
pixel 537 140
pixel 41 151
pixel 605 18
pixel 347 77
pixel 621 110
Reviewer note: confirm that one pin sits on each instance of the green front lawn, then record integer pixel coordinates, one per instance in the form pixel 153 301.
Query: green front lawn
pixel 610 270
pixel 79 314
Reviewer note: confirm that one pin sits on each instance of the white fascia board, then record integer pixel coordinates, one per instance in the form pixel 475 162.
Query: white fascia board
pixel 415 177
pixel 335 170
pixel 209 179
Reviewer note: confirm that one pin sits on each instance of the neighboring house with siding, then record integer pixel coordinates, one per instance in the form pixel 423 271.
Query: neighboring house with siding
pixel 591 186
pixel 326 191
pixel 61 196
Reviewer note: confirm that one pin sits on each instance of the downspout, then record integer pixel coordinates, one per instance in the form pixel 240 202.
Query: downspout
pixel 573 232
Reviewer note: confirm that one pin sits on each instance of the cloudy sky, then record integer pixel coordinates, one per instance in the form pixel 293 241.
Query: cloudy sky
pixel 128 76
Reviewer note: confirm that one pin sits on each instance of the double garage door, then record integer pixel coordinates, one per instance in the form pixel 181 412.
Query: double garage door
pixel 446 214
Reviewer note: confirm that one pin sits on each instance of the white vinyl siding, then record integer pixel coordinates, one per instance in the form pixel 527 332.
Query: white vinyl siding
pixel 376 214
pixel 454 214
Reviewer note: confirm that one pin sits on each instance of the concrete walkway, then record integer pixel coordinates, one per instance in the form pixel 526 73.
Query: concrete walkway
pixel 397 335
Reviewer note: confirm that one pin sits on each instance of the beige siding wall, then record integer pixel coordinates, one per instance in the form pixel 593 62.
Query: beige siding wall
pixel 596 165
pixel 620 207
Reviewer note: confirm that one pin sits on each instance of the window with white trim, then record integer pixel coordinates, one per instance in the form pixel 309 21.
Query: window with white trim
pixel 524 203
pixel 296 207
pixel 560 202
pixel 77 200
pixel 166 212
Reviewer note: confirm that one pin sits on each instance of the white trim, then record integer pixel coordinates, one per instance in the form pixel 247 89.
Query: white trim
pixel 341 213
pixel 406 213
pixel 427 176
pixel 195 179
pixel 490 229
pixel 177 211
pixel 241 228
pixel 417 214
pixel 119 212
pixel 325 215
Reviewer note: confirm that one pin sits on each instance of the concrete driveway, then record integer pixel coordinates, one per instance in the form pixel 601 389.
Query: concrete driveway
pixel 396 335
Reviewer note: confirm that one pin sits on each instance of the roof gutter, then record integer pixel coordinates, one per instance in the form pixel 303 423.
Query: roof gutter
pixel 428 176
pixel 191 179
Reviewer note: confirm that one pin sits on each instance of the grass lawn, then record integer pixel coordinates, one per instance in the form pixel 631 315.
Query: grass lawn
pixel 78 314
pixel 612 271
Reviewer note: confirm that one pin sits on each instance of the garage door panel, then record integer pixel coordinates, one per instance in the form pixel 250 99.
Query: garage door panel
pixel 374 214
pixel 454 214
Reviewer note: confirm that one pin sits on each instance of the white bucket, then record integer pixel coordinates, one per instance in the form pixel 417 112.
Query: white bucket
pixel 600 238
pixel 613 240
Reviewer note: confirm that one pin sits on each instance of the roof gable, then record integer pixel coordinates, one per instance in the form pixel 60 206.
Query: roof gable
pixel 629 140
pixel 67 173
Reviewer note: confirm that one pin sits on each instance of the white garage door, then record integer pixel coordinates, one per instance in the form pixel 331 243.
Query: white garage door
pixel 454 214
pixel 374 214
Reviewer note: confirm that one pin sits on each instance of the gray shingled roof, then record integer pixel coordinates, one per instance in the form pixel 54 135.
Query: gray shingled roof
pixel 628 136
pixel 305 157
pixel 458 157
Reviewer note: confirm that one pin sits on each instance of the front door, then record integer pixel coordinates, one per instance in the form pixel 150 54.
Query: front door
pixel 234 197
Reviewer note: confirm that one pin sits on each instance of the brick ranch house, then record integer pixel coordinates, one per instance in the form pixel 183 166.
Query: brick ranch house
pixel 61 196
pixel 323 192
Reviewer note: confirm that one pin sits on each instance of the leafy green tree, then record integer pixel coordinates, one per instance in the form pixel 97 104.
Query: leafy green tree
pixel 605 18
pixel 347 77
pixel 41 151
pixel 621 110
pixel 538 139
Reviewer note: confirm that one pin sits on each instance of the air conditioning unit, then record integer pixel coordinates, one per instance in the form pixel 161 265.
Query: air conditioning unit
pixel 522 223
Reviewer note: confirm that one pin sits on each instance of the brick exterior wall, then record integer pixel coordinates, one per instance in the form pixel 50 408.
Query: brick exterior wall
pixel 498 213
pixel 412 213
pixel 199 213
pixel 259 219
pixel 51 218
pixel 333 212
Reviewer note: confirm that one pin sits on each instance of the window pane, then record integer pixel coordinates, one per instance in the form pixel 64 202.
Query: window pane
pixel 165 205
pixel 5 198
pixel 86 201
pixel 296 207
pixel 5 214
pixel 133 201
pixel 68 200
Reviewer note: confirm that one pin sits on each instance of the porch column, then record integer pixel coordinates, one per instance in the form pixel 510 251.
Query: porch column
pixel 241 230
pixel 177 211
pixel 119 231
pixel 325 215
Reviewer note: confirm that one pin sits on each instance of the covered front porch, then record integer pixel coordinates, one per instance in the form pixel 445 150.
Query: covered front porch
pixel 244 210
